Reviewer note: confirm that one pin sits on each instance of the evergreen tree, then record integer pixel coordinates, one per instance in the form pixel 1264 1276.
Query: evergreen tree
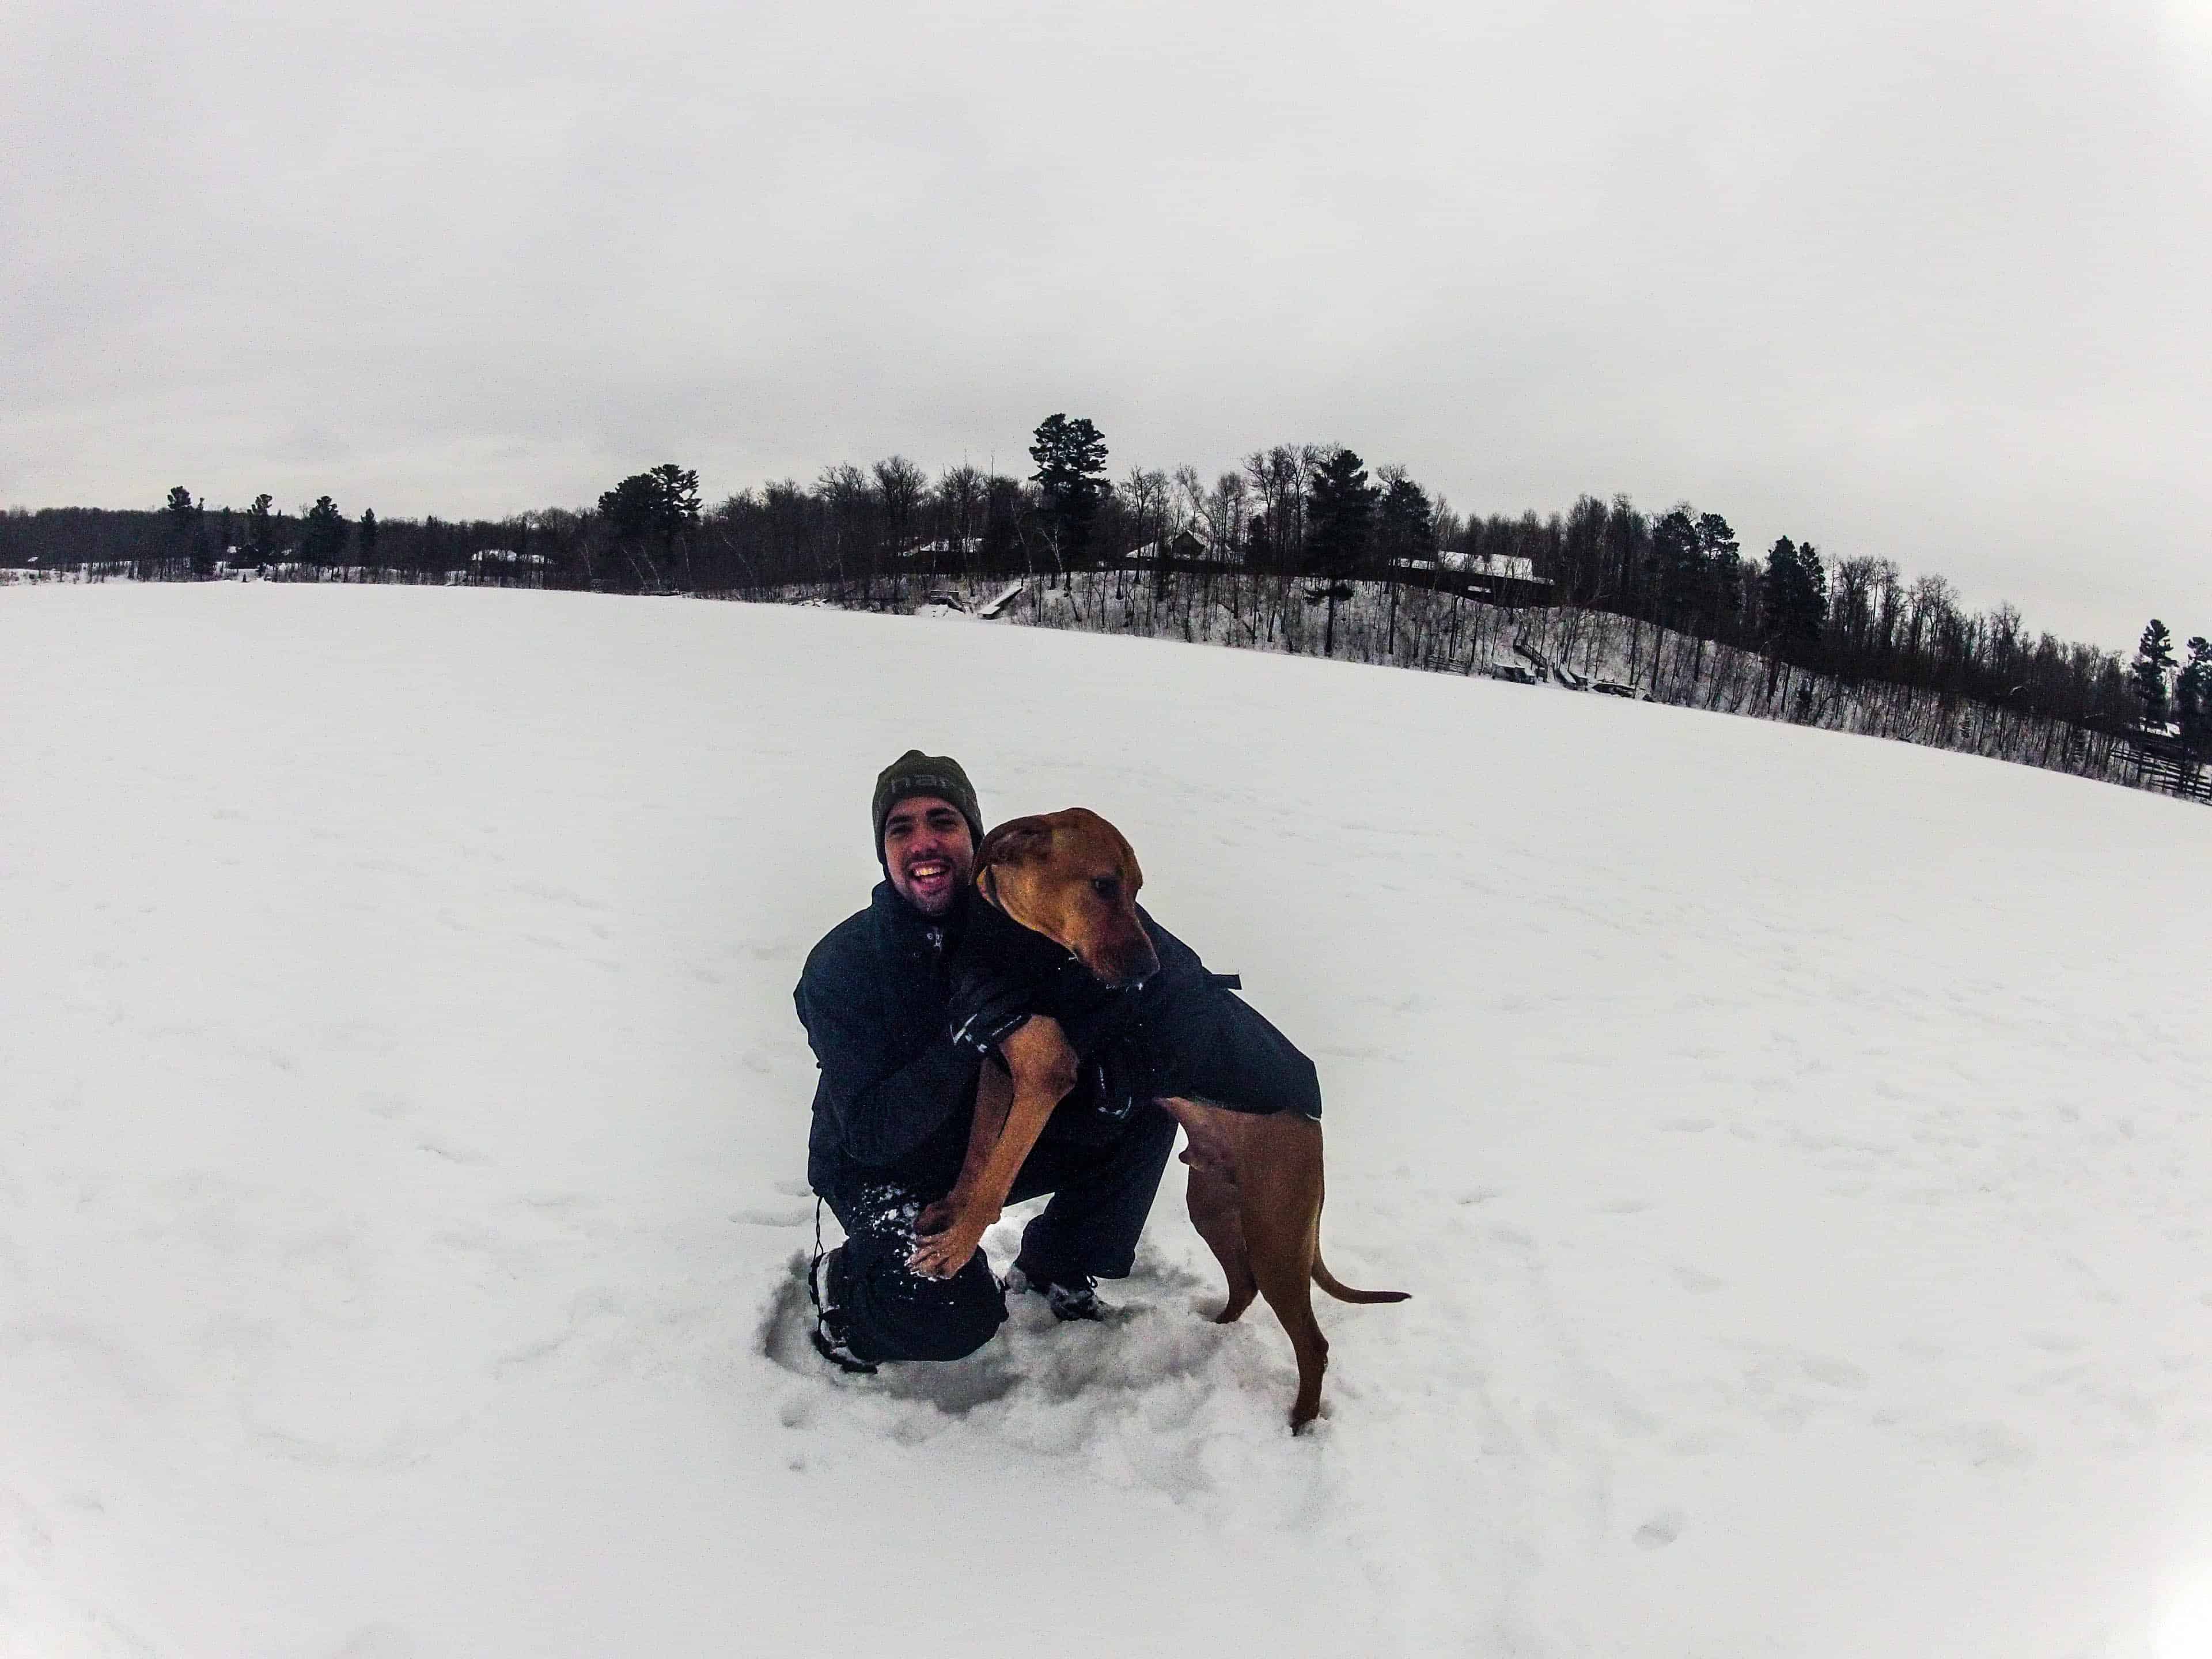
pixel 653 508
pixel 366 535
pixel 1797 591
pixel 1404 520
pixel 1721 566
pixel 1340 516
pixel 2192 696
pixel 1813 582
pixel 261 529
pixel 182 523
pixel 2153 660
pixel 1404 528
pixel 1070 477
pixel 323 542
pixel 1678 564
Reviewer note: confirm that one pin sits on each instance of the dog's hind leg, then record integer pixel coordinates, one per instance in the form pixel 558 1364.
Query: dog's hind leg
pixel 1281 1192
pixel 1216 1212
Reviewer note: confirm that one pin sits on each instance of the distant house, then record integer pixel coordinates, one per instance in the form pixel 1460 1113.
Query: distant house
pixel 499 566
pixel 1189 545
pixel 957 550
pixel 1497 567
pixel 1508 577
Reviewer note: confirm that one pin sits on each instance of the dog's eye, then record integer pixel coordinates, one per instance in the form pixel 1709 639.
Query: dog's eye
pixel 1106 887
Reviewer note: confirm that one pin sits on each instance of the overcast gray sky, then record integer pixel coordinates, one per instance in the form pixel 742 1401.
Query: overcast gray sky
pixel 1929 281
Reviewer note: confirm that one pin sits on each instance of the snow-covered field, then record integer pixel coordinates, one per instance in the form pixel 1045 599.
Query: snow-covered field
pixel 1794 1143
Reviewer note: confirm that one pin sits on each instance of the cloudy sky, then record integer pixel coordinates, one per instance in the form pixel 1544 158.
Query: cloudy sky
pixel 1932 282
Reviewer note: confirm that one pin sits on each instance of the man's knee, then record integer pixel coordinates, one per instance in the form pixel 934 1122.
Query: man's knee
pixel 895 1313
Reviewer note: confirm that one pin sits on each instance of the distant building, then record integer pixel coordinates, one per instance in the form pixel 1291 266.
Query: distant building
pixel 1495 567
pixel 942 549
pixel 1189 545
pixel 1506 577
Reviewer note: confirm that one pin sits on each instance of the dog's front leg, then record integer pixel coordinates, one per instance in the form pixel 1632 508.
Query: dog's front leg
pixel 1043 1071
pixel 994 1098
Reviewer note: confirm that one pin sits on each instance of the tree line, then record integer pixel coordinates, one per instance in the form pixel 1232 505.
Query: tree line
pixel 1302 523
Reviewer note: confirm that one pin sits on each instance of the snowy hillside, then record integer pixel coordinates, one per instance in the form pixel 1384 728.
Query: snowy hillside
pixel 1794 1144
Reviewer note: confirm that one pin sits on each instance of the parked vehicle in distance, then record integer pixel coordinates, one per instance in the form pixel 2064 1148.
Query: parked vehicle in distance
pixel 1621 689
pixel 1515 672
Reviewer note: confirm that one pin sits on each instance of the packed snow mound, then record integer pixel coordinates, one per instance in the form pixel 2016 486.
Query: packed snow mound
pixel 1794 1144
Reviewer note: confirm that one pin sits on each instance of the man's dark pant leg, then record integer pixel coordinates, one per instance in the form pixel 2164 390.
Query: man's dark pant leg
pixel 1101 1194
pixel 891 1312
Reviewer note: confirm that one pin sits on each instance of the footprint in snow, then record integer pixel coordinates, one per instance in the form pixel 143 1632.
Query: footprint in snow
pixel 1836 1373
pixel 378 1640
pixel 451 1154
pixel 1661 1530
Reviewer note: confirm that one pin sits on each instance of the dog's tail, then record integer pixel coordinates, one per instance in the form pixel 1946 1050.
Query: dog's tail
pixel 1343 1292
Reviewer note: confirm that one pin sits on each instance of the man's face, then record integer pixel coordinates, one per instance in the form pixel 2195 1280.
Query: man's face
pixel 929 852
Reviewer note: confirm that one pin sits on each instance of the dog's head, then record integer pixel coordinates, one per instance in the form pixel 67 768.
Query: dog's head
pixel 1071 877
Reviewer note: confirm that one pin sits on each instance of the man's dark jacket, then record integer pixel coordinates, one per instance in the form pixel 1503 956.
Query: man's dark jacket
pixel 897 1098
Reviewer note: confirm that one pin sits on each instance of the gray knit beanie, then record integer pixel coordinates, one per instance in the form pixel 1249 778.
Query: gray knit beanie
pixel 916 773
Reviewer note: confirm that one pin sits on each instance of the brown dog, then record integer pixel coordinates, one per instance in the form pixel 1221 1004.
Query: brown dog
pixel 1255 1177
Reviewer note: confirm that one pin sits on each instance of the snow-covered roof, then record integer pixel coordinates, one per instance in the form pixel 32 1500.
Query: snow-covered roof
pixel 1501 567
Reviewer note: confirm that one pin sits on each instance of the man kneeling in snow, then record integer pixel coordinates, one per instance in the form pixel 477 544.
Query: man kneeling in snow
pixel 897 1099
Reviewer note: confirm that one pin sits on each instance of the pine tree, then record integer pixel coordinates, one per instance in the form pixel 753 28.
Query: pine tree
pixel 661 506
pixel 184 525
pixel 1340 516
pixel 677 512
pixel 1678 564
pixel 1797 591
pixel 1722 564
pixel 323 540
pixel 261 529
pixel 2192 696
pixel 1070 477
pixel 1404 528
pixel 2153 661
pixel 366 535
pixel 1404 520
pixel 1812 585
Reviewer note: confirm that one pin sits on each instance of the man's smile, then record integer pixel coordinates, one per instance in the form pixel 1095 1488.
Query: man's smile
pixel 929 874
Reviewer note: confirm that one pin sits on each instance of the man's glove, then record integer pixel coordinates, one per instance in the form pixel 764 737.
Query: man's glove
pixel 983 1012
pixel 1127 1070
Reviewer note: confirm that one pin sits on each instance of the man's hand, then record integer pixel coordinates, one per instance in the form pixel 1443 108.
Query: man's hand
pixel 935 1218
pixel 1128 1072
pixel 982 1012
pixel 951 1234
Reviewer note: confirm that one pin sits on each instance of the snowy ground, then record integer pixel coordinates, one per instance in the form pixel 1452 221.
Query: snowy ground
pixel 1794 1144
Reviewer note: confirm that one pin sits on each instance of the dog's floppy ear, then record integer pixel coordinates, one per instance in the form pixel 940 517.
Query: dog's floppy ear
pixel 1015 841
